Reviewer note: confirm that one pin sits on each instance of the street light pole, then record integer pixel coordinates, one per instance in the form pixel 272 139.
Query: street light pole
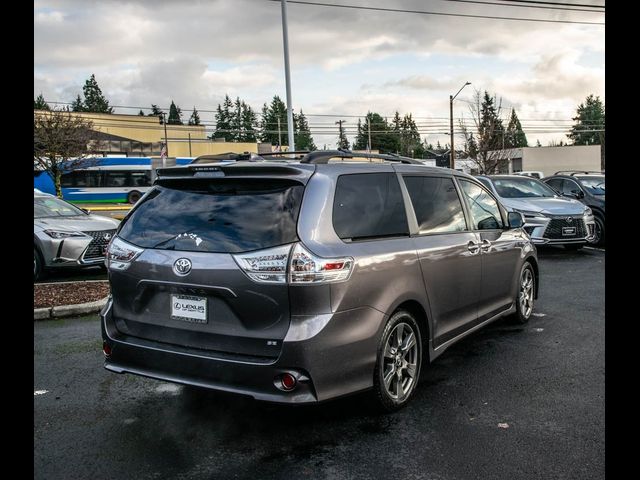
pixel 287 74
pixel 453 150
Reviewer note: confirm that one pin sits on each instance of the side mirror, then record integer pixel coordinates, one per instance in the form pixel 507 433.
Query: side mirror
pixel 86 210
pixel 515 219
pixel 578 193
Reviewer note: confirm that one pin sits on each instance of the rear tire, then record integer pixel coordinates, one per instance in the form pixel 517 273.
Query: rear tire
pixel 133 197
pixel 599 231
pixel 398 362
pixel 37 265
pixel 526 295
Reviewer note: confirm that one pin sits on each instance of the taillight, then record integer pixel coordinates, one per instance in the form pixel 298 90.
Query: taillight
pixel 120 254
pixel 306 267
pixel 266 266
pixel 273 265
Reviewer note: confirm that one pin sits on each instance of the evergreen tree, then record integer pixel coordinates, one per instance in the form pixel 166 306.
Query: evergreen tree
pixel 343 141
pixel 409 136
pixel 94 100
pixel 157 112
pixel 175 115
pixel 40 104
pixel 383 138
pixel 223 120
pixel 270 115
pixel 248 122
pixel 237 135
pixel 514 136
pixel 141 113
pixel 589 128
pixel 304 140
pixel 78 105
pixel 194 119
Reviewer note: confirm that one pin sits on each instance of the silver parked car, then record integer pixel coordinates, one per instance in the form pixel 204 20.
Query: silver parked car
pixel 304 280
pixel 67 236
pixel 549 218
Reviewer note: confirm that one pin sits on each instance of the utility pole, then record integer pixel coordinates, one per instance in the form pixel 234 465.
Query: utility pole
pixel 452 154
pixel 369 131
pixel 279 136
pixel 287 75
pixel 190 144
pixel 453 150
pixel 166 143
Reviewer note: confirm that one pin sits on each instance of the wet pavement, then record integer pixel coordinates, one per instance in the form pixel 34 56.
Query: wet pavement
pixel 508 402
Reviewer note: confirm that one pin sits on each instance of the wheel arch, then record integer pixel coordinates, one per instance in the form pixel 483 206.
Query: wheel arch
pixel 418 311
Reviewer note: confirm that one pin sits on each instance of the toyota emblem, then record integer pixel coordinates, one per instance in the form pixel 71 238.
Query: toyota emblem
pixel 182 266
pixel 569 219
pixel 107 236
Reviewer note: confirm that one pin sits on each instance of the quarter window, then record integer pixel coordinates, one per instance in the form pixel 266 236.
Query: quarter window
pixel 485 212
pixel 436 204
pixel 369 205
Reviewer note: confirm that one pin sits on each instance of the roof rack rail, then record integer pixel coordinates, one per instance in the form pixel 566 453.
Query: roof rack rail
pixel 578 172
pixel 323 156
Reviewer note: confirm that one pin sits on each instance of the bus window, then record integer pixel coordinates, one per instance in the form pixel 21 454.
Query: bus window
pixel 115 179
pixel 140 179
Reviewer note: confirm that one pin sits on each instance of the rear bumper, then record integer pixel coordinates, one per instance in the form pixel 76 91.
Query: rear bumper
pixel 331 355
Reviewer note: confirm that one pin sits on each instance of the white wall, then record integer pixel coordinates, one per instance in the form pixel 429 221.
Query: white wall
pixel 549 160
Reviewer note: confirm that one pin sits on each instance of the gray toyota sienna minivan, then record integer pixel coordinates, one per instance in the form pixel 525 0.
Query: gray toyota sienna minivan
pixel 297 281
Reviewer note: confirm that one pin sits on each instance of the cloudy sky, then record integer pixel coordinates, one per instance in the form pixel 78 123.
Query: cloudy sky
pixel 344 62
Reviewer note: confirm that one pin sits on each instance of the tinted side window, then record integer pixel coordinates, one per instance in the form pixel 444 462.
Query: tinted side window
pixel 556 184
pixel 140 179
pixel 369 205
pixel 485 212
pixel 436 203
pixel 569 187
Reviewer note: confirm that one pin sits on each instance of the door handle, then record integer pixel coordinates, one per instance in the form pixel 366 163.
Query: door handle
pixel 473 247
pixel 485 245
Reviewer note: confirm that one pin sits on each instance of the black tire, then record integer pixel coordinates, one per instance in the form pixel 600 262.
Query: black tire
pixel 522 315
pixel 37 264
pixel 133 197
pixel 573 247
pixel 599 240
pixel 404 384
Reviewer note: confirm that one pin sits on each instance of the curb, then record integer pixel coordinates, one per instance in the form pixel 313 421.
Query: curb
pixel 69 310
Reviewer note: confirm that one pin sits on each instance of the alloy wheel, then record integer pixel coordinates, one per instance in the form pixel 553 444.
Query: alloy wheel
pixel 525 297
pixel 400 361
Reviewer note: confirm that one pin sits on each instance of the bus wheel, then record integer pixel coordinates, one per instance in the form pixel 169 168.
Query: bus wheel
pixel 133 197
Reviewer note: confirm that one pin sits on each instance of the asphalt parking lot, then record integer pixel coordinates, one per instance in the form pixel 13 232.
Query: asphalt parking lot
pixel 508 402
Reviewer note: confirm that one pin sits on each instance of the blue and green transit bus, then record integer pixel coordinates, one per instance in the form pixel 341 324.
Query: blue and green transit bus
pixel 102 179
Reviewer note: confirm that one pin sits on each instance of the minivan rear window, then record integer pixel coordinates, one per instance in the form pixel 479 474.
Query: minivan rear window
pixel 222 215
pixel 369 206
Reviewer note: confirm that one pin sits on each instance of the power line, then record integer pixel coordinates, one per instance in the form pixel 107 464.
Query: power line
pixel 423 12
pixel 557 3
pixel 527 6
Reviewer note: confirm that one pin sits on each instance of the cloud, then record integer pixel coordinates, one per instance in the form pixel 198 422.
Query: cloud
pixel 343 61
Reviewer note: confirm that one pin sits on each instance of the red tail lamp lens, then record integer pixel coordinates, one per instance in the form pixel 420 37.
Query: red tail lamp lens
pixel 106 349
pixel 288 381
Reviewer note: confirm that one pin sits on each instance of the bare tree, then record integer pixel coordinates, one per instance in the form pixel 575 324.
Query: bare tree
pixel 484 142
pixel 59 136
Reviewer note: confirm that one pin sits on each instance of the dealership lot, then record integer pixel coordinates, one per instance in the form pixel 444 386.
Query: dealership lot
pixel 507 402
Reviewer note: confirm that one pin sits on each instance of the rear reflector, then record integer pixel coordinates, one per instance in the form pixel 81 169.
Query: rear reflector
pixel 106 349
pixel 288 381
